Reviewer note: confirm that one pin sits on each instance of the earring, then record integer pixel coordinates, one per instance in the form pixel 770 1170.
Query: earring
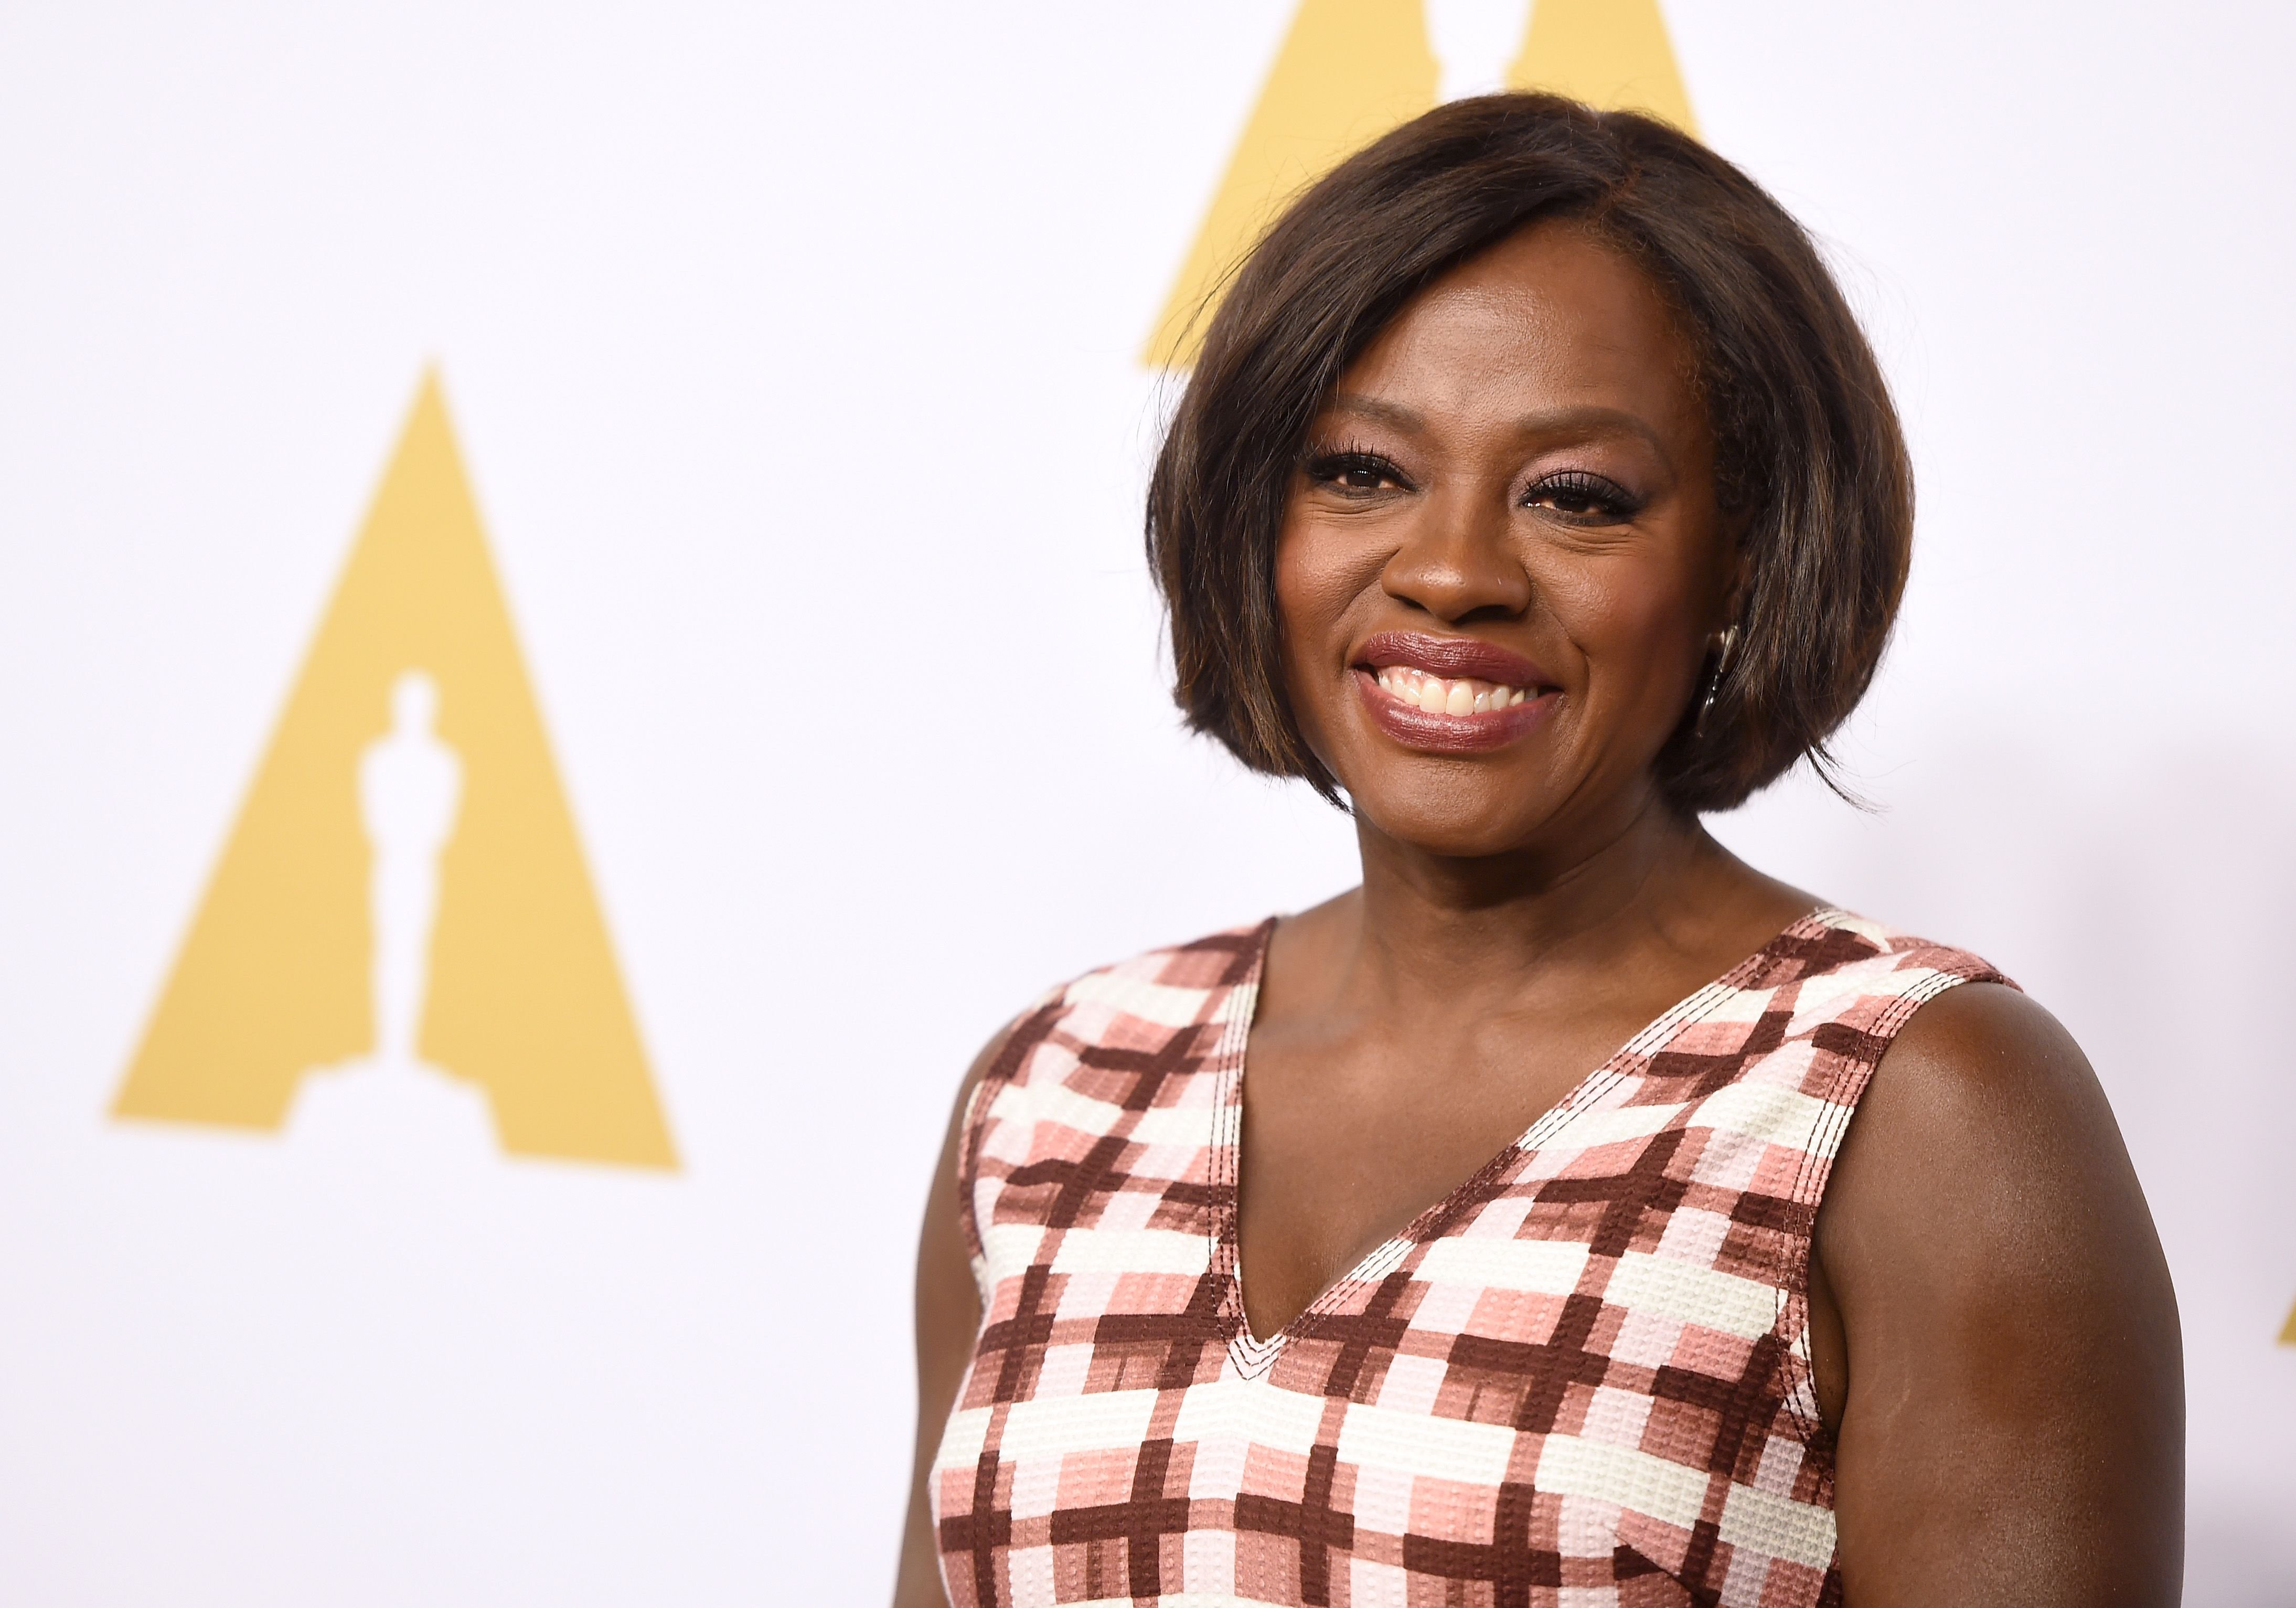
pixel 1729 648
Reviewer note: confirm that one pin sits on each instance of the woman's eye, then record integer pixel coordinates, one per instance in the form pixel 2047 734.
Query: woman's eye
pixel 1579 496
pixel 1353 472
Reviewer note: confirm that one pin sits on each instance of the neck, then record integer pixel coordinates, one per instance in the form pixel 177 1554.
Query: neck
pixel 1448 928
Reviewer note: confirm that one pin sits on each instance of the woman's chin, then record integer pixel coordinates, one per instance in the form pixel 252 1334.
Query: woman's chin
pixel 1455 822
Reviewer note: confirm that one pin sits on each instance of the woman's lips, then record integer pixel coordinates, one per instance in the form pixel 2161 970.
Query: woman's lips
pixel 1414 726
pixel 1450 657
pixel 1450 695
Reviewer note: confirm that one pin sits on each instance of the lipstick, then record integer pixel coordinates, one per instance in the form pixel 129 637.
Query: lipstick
pixel 1451 694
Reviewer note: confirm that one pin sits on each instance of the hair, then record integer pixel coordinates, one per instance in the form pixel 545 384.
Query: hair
pixel 1811 470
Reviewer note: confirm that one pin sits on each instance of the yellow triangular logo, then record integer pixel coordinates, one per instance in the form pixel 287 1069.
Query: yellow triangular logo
pixel 1610 54
pixel 1347 71
pixel 507 979
pixel 2288 1329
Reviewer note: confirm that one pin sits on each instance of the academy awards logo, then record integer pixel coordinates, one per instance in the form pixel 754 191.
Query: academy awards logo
pixel 401 929
pixel 1349 70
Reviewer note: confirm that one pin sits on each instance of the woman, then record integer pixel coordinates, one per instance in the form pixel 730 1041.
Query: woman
pixel 1499 1232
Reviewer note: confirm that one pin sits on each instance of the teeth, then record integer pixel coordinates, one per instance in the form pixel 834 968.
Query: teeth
pixel 1434 695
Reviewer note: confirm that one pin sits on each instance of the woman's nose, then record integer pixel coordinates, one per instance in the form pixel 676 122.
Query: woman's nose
pixel 1457 560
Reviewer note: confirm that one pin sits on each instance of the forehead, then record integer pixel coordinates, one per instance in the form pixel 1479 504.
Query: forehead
pixel 1550 317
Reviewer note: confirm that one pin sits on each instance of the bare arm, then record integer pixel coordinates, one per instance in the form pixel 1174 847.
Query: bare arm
pixel 1993 1330
pixel 948 1315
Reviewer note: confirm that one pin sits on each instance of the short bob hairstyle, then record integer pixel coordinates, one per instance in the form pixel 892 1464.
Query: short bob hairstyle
pixel 1811 468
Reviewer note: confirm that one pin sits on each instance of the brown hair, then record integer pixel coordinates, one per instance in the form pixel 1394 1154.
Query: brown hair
pixel 1811 463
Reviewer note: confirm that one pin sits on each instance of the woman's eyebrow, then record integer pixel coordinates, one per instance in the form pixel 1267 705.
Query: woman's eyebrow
pixel 1590 421
pixel 1581 420
pixel 1386 412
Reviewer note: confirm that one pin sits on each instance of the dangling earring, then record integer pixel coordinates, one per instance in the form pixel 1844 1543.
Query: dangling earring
pixel 1729 640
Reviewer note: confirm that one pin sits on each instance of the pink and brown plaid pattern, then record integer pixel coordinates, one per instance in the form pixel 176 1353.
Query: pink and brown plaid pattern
pixel 1580 1379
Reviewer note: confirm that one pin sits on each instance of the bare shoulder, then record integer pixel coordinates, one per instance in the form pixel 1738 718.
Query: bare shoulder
pixel 945 1253
pixel 2005 1365
pixel 1982 1035
pixel 1981 1076
pixel 983 1062
pixel 948 1313
pixel 1983 1088
pixel 1985 1118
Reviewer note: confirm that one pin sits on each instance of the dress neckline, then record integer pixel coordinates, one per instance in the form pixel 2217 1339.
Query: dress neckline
pixel 1254 1355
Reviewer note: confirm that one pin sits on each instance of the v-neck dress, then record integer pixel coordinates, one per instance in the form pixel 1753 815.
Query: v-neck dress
pixel 1581 1379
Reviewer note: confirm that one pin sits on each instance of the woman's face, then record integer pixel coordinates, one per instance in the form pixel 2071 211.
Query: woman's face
pixel 1502 568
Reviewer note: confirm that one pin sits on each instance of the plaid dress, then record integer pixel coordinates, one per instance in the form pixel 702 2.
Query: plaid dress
pixel 1582 1379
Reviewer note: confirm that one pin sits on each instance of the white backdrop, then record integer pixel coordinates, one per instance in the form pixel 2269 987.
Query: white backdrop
pixel 793 353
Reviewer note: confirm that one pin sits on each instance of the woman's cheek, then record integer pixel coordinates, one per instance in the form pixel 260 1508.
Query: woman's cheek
pixel 1634 613
pixel 1315 571
pixel 1316 588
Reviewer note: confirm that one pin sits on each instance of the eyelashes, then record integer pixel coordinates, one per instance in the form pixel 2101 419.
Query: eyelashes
pixel 1578 495
pixel 1356 469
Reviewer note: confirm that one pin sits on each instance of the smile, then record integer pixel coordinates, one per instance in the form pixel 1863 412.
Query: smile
pixel 1434 695
pixel 1450 695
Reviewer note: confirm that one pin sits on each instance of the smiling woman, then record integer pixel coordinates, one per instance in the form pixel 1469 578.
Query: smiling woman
pixel 1621 1225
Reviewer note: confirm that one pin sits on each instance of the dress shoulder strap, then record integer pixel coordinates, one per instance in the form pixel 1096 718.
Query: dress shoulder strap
pixel 1814 1012
pixel 1180 1005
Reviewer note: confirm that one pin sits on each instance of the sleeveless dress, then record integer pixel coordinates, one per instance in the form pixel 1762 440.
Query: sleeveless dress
pixel 1581 1379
